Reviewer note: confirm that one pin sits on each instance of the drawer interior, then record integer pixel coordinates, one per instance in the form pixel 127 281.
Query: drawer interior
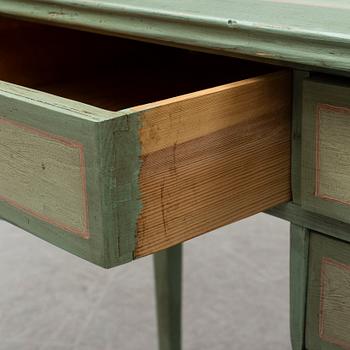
pixel 109 72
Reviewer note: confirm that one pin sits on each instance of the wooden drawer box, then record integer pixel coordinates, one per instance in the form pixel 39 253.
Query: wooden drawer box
pixel 114 149
pixel 326 148
pixel 328 308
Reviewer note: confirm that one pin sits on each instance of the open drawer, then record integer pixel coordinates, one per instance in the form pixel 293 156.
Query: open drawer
pixel 114 149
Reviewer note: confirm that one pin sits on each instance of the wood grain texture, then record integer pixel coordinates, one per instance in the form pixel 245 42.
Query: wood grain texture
pixel 311 33
pixel 178 120
pixel 325 155
pixel 189 187
pixel 328 308
pixel 299 254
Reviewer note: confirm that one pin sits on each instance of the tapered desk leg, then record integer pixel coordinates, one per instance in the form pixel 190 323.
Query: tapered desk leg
pixel 299 251
pixel 168 279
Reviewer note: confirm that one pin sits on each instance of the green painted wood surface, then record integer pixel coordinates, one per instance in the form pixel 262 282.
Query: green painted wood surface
pixel 328 305
pixel 33 162
pixel 315 33
pixel 298 78
pixel 120 161
pixel 299 252
pixel 324 224
pixel 325 154
pixel 168 278
pixel 110 145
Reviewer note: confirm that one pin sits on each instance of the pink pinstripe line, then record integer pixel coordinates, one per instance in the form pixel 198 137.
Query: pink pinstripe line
pixel 69 143
pixel 344 345
pixel 332 262
pixel 341 111
pixel 84 190
pixel 42 133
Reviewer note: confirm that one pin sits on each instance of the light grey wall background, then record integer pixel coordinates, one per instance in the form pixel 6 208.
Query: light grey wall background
pixel 235 294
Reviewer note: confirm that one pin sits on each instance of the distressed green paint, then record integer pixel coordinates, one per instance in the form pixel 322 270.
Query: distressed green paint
pixel 298 78
pixel 299 251
pixel 120 151
pixel 331 94
pixel 168 278
pixel 328 302
pixel 311 33
pixel 20 105
pixel 112 159
pixel 29 166
pixel 324 224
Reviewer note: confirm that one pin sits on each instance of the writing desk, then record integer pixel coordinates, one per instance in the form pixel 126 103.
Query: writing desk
pixel 127 128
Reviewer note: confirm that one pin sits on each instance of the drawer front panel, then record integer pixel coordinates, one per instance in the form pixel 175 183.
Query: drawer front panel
pixel 49 180
pixel 328 310
pixel 326 149
pixel 44 174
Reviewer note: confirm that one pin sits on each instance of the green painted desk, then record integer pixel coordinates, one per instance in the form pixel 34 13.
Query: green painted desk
pixel 127 128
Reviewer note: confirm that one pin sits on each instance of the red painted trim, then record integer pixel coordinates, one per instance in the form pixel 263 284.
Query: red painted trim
pixel 68 143
pixel 333 340
pixel 340 110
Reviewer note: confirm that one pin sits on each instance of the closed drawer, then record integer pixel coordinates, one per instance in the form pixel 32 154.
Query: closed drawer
pixel 328 308
pixel 114 149
pixel 326 148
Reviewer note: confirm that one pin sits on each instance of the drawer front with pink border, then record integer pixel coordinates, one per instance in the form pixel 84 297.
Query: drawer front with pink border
pixel 328 307
pixel 326 148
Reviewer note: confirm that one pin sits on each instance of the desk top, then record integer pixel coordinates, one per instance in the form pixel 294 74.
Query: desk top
pixel 298 32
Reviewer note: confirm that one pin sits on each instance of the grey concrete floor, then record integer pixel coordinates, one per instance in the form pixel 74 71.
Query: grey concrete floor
pixel 235 294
